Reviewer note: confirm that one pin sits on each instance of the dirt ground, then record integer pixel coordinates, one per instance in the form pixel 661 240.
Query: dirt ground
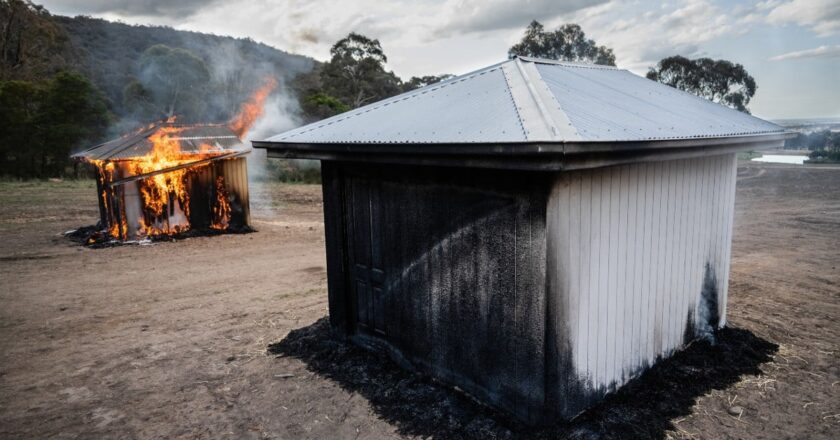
pixel 224 337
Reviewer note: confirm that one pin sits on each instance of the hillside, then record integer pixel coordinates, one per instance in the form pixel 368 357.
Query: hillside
pixel 110 52
pixel 71 82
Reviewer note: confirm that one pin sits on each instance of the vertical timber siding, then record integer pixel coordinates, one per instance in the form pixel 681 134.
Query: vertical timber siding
pixel 638 265
pixel 446 270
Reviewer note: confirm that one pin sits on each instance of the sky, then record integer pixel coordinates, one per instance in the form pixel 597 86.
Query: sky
pixel 790 47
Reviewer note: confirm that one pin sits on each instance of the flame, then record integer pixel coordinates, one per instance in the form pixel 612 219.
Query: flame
pixel 165 196
pixel 221 209
pixel 164 191
pixel 252 109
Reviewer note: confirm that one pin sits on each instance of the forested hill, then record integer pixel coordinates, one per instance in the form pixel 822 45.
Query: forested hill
pixel 110 52
pixel 68 83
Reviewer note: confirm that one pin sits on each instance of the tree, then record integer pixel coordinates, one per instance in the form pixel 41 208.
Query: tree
pixel 719 81
pixel 417 82
pixel 171 81
pixel 20 102
pixel 355 75
pixel 32 45
pixel 566 43
pixel 73 113
pixel 43 122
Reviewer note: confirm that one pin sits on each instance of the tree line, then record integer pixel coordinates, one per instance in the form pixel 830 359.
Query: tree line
pixel 823 144
pixel 356 75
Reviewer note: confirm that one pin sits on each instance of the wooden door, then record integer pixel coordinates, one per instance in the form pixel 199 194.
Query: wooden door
pixel 368 276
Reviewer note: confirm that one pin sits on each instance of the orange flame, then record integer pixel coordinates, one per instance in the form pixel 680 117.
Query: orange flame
pixel 166 195
pixel 221 209
pixel 252 109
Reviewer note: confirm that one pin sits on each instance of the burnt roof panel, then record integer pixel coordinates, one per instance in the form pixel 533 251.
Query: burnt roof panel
pixel 192 138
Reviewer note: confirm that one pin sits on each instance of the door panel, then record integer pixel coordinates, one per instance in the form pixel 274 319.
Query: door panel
pixel 366 254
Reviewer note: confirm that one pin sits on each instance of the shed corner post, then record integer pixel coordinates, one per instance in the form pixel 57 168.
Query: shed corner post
pixel 335 236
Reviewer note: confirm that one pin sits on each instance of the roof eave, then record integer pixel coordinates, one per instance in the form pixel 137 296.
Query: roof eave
pixel 519 148
pixel 525 155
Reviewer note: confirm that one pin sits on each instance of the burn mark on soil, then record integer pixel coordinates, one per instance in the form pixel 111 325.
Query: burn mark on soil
pixel 420 406
pixel 314 269
pixel 96 237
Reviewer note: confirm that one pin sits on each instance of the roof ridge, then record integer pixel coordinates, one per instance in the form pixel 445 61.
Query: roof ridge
pixel 578 64
pixel 543 111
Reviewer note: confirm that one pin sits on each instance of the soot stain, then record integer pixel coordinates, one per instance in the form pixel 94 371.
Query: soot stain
pixel 709 299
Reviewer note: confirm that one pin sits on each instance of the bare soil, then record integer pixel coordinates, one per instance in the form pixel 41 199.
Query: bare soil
pixel 225 336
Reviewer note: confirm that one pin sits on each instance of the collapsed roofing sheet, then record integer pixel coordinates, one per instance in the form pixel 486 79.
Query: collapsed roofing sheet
pixel 532 100
pixel 192 139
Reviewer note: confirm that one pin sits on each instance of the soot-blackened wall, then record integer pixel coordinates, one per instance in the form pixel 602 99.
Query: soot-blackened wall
pixel 446 269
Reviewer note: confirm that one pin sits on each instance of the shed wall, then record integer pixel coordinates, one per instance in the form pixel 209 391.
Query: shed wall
pixel 125 202
pixel 445 269
pixel 638 265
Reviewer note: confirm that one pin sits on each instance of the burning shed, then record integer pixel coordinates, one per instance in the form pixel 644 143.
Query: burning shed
pixel 536 232
pixel 167 179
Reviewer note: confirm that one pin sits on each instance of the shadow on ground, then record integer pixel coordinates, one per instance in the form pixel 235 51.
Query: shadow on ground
pixel 419 406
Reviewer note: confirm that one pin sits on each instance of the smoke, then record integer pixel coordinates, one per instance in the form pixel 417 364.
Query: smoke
pixel 281 113
pixel 236 69
pixel 239 70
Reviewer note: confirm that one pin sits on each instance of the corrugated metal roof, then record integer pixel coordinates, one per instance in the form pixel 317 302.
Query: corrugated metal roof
pixel 532 100
pixel 485 112
pixel 191 138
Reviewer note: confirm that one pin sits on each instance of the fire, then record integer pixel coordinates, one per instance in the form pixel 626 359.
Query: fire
pixel 221 209
pixel 252 109
pixel 165 194
pixel 152 192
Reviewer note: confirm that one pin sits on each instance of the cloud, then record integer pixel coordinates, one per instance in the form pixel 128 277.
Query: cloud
pixel 821 16
pixel 642 34
pixel 819 52
pixel 147 8
pixel 466 16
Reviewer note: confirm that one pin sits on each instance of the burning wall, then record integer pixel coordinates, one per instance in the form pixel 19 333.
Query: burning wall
pixel 193 178
pixel 169 178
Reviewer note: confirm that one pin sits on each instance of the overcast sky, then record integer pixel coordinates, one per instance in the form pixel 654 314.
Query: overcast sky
pixel 791 47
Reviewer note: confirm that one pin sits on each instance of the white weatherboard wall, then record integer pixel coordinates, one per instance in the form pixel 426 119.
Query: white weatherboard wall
pixel 631 249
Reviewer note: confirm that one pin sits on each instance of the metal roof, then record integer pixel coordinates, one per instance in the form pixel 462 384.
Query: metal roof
pixel 526 100
pixel 192 139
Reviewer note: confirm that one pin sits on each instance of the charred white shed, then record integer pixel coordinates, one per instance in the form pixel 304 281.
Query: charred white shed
pixel 536 232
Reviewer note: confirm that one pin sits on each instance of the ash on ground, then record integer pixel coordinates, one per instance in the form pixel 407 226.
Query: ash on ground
pixel 97 237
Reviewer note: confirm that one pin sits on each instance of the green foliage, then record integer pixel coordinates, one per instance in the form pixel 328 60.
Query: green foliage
pixel 111 54
pixel 417 82
pixel 32 45
pixel 43 122
pixel 295 171
pixel 566 43
pixel 321 105
pixel 824 145
pixel 748 155
pixel 355 75
pixel 719 81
